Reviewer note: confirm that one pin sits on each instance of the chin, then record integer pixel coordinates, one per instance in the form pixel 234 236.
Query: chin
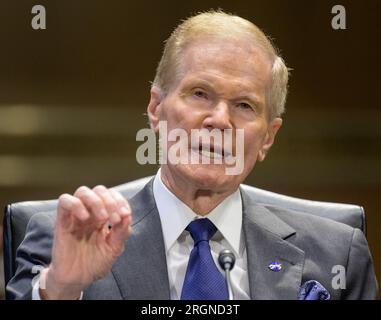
pixel 210 177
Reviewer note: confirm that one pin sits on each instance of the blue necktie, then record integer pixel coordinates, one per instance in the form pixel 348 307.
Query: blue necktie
pixel 203 280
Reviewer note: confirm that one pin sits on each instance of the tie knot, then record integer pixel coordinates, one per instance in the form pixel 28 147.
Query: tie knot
pixel 201 230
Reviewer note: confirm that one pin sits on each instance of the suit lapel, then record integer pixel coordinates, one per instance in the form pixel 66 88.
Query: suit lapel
pixel 141 271
pixel 265 236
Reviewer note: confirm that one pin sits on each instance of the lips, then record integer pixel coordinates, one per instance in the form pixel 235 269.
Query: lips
pixel 212 151
pixel 212 155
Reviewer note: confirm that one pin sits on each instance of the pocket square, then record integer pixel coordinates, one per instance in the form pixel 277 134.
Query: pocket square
pixel 313 290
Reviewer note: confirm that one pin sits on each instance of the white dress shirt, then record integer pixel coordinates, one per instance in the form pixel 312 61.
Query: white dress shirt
pixel 175 217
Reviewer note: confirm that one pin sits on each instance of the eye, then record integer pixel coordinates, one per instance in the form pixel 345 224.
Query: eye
pixel 200 94
pixel 244 105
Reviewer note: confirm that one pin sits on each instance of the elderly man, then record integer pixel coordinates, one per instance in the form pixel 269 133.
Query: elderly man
pixel 218 72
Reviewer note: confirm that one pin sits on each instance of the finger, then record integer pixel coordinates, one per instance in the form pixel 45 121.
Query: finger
pixel 120 232
pixel 94 204
pixel 115 218
pixel 109 202
pixel 123 205
pixel 73 216
pixel 69 208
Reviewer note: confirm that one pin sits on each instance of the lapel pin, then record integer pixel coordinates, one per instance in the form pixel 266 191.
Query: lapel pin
pixel 275 266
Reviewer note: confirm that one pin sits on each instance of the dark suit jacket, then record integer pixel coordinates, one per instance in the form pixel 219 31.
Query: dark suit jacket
pixel 307 247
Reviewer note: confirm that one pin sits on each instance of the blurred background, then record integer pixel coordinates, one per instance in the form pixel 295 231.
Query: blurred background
pixel 73 96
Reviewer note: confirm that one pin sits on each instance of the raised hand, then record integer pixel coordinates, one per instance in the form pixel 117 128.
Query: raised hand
pixel 91 228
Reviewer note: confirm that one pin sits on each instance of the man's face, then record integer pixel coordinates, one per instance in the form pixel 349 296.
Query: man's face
pixel 222 85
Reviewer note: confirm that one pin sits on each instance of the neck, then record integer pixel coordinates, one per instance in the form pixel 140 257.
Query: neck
pixel 201 201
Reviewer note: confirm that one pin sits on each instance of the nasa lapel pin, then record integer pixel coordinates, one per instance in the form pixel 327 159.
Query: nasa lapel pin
pixel 275 266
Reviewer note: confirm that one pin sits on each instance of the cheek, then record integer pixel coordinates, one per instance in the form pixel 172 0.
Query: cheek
pixel 253 141
pixel 170 113
pixel 252 148
pixel 180 115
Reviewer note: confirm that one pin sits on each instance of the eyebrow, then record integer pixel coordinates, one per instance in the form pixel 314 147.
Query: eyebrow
pixel 199 83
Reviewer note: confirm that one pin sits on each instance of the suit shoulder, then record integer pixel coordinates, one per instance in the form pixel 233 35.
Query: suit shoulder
pixel 318 236
pixel 310 223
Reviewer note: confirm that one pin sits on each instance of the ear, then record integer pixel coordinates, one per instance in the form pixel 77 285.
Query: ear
pixel 153 109
pixel 272 130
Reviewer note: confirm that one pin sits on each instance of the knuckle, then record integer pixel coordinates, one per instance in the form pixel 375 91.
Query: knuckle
pixel 114 218
pixel 96 203
pixel 65 202
pixel 122 201
pixel 69 201
pixel 100 188
pixel 110 204
pixel 76 203
pixel 81 191
pixel 63 197
pixel 117 195
pixel 80 216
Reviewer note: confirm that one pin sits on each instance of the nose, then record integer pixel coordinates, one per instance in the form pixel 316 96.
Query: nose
pixel 219 117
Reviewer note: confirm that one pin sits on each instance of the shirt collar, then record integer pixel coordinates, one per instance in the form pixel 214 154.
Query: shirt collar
pixel 175 215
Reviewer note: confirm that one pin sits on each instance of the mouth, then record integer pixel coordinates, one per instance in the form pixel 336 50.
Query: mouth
pixel 212 151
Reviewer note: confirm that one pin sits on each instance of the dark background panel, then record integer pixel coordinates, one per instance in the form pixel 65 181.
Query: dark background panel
pixel 73 96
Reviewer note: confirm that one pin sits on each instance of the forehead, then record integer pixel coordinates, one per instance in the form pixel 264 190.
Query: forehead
pixel 235 60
